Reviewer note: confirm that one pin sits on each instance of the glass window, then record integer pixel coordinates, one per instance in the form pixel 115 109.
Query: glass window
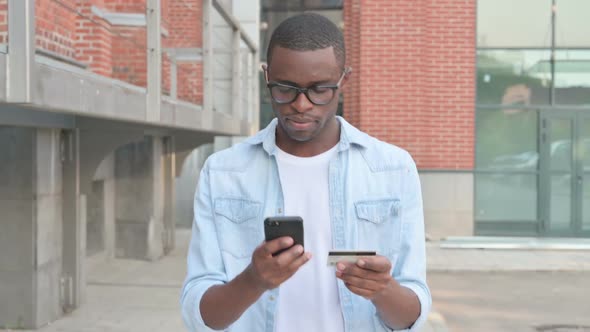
pixel 505 197
pixel 572 25
pixel 301 5
pixel 506 140
pixel 318 4
pixel 586 204
pixel 584 155
pixel 560 201
pixel 509 23
pixel 513 77
pixel 572 77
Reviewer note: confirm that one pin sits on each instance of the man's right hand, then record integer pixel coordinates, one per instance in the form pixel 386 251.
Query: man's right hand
pixel 264 272
pixel 267 271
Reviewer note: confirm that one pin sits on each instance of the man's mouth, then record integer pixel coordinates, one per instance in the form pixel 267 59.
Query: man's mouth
pixel 300 124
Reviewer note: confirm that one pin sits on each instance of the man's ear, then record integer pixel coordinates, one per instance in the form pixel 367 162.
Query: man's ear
pixel 347 73
pixel 264 68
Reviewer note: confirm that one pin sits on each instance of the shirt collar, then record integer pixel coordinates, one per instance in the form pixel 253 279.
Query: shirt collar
pixel 348 135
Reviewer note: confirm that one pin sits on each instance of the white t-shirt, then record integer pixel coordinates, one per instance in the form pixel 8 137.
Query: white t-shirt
pixel 309 301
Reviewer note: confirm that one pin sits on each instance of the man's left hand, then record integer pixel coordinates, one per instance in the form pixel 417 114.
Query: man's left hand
pixel 368 277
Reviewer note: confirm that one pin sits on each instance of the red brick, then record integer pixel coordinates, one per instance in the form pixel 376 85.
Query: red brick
pixel 413 76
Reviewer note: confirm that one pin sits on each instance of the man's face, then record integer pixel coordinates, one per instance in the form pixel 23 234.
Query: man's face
pixel 300 121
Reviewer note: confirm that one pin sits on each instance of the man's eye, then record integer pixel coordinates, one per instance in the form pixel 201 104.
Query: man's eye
pixel 283 89
pixel 319 89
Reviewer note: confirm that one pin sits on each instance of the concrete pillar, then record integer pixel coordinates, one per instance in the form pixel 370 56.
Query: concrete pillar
pixel 186 184
pixel 169 175
pixel 139 207
pixel 109 199
pixel 97 165
pixel 30 227
pixel 95 232
pixel 74 222
pixel 100 230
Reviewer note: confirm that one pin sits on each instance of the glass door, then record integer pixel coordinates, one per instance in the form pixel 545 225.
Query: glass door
pixel 565 173
pixel 583 178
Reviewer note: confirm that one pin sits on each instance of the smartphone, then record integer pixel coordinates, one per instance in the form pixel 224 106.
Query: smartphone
pixel 275 227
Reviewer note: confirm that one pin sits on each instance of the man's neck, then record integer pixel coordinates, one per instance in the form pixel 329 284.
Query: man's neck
pixel 310 148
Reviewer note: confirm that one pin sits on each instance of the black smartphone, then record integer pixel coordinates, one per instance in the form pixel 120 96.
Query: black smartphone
pixel 275 227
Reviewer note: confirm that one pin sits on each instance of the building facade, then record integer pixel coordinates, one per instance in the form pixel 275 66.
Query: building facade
pixel 101 101
pixel 492 100
pixel 490 97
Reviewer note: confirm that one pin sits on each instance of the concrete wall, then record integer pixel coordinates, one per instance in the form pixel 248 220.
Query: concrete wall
pixel 139 207
pixel 48 267
pixel 17 169
pixel 187 180
pixel 30 225
pixel 100 230
pixel 448 203
pixel 186 184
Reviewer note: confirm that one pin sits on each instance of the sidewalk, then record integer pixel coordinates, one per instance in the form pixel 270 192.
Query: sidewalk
pixel 508 289
pixel 498 260
pixel 139 296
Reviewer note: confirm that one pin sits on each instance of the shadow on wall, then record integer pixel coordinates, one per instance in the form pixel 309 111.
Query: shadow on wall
pixel 186 183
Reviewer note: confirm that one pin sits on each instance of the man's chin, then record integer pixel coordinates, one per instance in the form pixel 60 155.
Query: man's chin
pixel 300 137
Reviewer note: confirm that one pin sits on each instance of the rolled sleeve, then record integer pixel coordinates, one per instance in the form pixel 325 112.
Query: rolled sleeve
pixel 425 299
pixel 204 262
pixel 192 295
pixel 410 269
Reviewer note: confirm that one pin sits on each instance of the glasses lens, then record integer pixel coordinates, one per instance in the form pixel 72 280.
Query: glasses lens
pixel 282 94
pixel 320 96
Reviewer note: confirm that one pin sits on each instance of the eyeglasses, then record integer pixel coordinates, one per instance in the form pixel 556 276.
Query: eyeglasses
pixel 317 94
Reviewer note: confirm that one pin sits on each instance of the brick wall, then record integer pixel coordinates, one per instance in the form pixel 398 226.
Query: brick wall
pixel 56 26
pixel 166 68
pixel 3 21
pixel 185 31
pixel 191 89
pixel 185 27
pixel 413 80
pixel 71 29
pixel 129 55
pixel 125 6
pixel 94 40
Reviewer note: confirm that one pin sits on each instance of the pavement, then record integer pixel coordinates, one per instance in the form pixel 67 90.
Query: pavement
pixel 520 290
pixel 519 301
pixel 469 287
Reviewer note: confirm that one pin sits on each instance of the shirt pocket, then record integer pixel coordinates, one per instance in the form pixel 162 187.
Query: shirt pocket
pixel 379 226
pixel 239 226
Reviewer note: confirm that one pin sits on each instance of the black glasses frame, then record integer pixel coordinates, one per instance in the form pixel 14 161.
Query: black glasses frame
pixel 305 91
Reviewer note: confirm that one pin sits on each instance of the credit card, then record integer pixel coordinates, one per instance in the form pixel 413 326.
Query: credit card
pixel 352 256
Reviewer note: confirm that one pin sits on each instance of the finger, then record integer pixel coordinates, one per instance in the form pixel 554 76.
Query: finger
pixel 260 250
pixel 356 271
pixel 288 256
pixel 299 261
pixel 359 291
pixel 275 245
pixel 376 263
pixel 361 283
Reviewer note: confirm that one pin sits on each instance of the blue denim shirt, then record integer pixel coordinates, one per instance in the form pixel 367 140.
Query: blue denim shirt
pixel 375 204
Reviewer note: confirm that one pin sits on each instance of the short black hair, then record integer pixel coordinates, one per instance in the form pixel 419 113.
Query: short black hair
pixel 308 32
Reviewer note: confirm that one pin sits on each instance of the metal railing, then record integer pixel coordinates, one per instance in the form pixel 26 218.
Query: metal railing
pixel 140 46
pixel 230 64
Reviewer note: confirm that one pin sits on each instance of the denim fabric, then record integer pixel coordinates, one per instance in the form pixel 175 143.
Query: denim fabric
pixel 375 204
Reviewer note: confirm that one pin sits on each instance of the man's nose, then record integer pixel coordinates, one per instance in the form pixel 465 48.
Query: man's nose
pixel 302 103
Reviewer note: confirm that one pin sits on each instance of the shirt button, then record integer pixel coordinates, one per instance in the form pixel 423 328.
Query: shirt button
pixel 272 298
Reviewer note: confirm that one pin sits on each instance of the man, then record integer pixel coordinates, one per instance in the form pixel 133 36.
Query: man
pixel 352 191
